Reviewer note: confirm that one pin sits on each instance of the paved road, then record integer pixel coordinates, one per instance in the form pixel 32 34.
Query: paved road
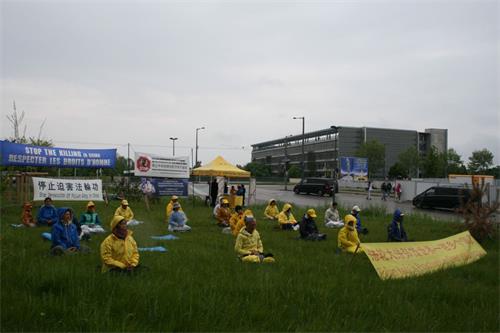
pixel 266 192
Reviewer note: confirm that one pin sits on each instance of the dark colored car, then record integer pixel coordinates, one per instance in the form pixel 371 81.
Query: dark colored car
pixel 442 197
pixel 319 186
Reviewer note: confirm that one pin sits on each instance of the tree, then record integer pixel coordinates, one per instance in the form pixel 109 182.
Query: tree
pixel 410 160
pixel 294 172
pixel 434 164
pixel 480 161
pixel 398 171
pixel 311 163
pixel 375 152
pixel 455 163
pixel 258 169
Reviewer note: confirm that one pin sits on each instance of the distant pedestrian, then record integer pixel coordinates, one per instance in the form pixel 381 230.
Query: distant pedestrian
pixel 383 188
pixel 369 190
pixel 397 191
pixel 214 189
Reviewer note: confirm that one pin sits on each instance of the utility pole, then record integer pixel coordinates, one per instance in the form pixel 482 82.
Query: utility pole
pixel 196 156
pixel 303 142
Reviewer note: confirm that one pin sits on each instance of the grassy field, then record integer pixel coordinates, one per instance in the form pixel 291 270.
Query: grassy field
pixel 199 285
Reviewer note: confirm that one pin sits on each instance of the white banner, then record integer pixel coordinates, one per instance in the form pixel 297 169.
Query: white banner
pixel 149 165
pixel 67 189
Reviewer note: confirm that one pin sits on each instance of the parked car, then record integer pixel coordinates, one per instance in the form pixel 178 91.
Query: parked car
pixel 442 197
pixel 319 186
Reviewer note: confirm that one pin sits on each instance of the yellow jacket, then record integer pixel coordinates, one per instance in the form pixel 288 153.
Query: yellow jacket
pixel 223 215
pixel 120 253
pixel 234 220
pixel 170 208
pixel 246 242
pixel 271 212
pixel 347 238
pixel 241 222
pixel 127 213
pixel 283 219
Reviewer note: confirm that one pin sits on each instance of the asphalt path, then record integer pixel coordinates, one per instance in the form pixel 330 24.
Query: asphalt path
pixel 266 192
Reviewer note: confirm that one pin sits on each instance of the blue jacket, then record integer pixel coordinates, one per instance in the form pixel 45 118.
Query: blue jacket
pixel 47 213
pixel 396 231
pixel 65 235
pixel 359 227
pixel 177 219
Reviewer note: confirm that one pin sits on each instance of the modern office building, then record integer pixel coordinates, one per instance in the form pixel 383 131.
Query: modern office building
pixel 322 149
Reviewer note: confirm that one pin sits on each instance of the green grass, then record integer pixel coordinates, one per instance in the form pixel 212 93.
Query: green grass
pixel 199 285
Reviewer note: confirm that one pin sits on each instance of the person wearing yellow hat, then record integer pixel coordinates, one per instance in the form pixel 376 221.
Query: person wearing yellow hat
pixel 308 229
pixel 272 211
pixel 170 206
pixel 89 222
pixel 286 219
pixel 119 251
pixel 348 240
pixel 223 214
pixel 248 245
pixel 125 211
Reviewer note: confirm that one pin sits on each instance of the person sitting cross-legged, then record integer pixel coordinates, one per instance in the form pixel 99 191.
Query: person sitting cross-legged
pixel 27 215
pixel 308 229
pixel 65 237
pixel 223 214
pixel 395 231
pixel 272 211
pixel 90 222
pixel 286 219
pixel 119 251
pixel 170 206
pixel 177 220
pixel 348 240
pixel 248 244
pixel 332 217
pixel 234 221
pixel 47 215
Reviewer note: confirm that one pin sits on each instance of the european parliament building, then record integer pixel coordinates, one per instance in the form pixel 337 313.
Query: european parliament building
pixel 325 147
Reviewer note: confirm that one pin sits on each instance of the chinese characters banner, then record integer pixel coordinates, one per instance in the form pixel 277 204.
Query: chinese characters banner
pixel 67 189
pixel 400 260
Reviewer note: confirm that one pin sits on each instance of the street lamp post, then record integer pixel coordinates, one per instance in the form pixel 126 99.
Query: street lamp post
pixel 173 145
pixel 303 141
pixel 196 150
pixel 336 129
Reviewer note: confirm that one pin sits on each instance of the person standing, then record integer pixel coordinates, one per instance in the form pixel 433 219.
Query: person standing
pixel 214 189
pixel 398 190
pixel 369 189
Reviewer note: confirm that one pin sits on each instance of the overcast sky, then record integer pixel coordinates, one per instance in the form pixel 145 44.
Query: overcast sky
pixel 108 73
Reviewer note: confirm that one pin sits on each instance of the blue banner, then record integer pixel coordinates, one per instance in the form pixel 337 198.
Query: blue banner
pixel 163 186
pixel 354 168
pixel 28 155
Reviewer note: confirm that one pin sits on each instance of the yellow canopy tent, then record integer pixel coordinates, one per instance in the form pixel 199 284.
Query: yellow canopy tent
pixel 220 167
